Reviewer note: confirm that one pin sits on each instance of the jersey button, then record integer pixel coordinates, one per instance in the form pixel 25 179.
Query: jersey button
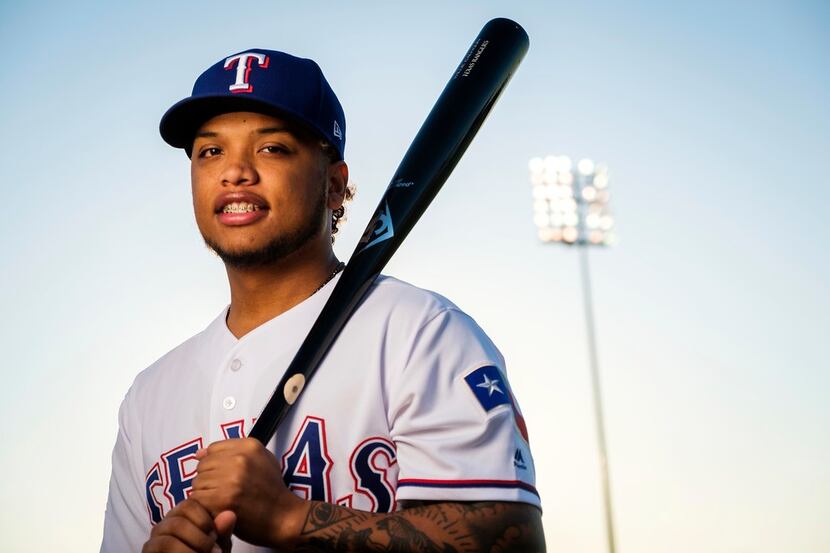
pixel 229 403
pixel 236 364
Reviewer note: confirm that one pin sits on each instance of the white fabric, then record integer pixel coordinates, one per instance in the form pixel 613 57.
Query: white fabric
pixel 395 377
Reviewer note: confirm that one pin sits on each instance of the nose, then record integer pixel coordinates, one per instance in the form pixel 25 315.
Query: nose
pixel 239 170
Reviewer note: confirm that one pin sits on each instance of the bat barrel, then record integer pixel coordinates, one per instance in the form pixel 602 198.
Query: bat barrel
pixel 465 102
pixel 444 136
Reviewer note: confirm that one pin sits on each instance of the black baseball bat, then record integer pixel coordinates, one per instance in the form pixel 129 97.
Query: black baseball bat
pixel 448 130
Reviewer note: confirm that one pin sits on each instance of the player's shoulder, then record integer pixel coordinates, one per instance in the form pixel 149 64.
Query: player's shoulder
pixel 421 324
pixel 406 295
pixel 398 296
pixel 410 309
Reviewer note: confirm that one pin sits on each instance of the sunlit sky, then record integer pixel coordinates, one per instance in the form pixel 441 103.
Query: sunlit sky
pixel 712 311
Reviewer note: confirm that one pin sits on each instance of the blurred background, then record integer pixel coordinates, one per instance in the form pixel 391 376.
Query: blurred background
pixel 711 310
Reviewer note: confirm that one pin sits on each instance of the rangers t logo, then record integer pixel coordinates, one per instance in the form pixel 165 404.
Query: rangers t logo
pixel 243 64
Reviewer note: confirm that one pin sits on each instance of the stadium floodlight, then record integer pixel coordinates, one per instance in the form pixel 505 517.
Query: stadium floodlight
pixel 571 203
pixel 570 206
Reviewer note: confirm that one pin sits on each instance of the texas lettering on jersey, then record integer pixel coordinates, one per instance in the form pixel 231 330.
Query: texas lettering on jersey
pixel 306 470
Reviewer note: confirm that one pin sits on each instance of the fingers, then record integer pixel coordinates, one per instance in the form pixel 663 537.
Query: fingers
pixel 243 446
pixel 187 528
pixel 224 523
pixel 193 512
pixel 172 544
pixel 242 476
pixel 221 455
pixel 227 470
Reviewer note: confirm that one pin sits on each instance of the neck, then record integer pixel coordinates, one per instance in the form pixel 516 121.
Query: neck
pixel 259 294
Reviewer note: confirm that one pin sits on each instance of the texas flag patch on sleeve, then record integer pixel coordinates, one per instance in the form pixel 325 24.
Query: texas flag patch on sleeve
pixel 488 387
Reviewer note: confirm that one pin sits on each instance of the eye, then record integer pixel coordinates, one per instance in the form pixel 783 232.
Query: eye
pixel 209 151
pixel 274 149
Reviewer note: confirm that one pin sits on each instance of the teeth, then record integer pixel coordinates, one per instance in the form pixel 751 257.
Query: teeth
pixel 239 207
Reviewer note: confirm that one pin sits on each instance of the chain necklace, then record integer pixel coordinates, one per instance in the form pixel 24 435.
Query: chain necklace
pixel 340 266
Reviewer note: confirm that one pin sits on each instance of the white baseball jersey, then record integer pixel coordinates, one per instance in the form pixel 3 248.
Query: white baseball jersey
pixel 411 402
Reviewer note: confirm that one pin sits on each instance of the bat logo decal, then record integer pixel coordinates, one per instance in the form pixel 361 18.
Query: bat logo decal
pixel 380 229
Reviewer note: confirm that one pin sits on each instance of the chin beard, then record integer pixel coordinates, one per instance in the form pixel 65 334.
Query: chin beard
pixel 277 249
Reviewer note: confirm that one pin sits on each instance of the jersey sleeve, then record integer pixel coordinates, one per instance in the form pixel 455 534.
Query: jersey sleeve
pixel 126 521
pixel 457 427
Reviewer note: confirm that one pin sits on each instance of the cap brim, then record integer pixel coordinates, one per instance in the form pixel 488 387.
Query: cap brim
pixel 179 124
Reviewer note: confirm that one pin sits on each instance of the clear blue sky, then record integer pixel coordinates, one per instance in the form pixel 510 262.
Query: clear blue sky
pixel 712 311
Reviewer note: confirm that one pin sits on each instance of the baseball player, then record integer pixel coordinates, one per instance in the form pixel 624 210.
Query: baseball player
pixel 409 437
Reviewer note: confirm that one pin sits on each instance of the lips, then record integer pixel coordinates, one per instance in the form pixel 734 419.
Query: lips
pixel 240 208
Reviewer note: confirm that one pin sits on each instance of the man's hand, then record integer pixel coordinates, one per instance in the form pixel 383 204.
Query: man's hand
pixel 190 528
pixel 241 476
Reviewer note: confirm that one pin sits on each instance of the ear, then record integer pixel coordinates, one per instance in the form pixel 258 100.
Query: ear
pixel 338 179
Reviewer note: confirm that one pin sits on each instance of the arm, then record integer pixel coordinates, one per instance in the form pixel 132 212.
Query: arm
pixel 438 527
pixel 126 523
pixel 243 477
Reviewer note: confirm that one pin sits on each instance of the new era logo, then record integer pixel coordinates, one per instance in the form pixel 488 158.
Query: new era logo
pixel 337 132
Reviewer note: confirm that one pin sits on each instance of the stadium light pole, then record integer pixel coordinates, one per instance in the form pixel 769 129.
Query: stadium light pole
pixel 571 207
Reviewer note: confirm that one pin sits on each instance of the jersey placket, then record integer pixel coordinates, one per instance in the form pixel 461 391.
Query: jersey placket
pixel 228 403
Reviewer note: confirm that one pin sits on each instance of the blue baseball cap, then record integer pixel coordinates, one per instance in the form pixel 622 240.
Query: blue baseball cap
pixel 262 81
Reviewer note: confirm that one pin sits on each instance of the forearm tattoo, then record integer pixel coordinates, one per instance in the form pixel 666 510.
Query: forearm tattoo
pixel 424 527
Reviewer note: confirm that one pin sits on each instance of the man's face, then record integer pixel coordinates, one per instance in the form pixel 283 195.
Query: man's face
pixel 259 190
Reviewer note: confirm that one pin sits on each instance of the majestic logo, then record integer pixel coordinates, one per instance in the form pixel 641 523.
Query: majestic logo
pixel 243 64
pixel 337 131
pixel 519 460
pixel 379 230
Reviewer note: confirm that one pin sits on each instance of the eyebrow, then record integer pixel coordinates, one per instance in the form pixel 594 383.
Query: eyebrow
pixel 272 130
pixel 262 131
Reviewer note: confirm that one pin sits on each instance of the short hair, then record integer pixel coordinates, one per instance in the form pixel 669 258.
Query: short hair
pixel 339 214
